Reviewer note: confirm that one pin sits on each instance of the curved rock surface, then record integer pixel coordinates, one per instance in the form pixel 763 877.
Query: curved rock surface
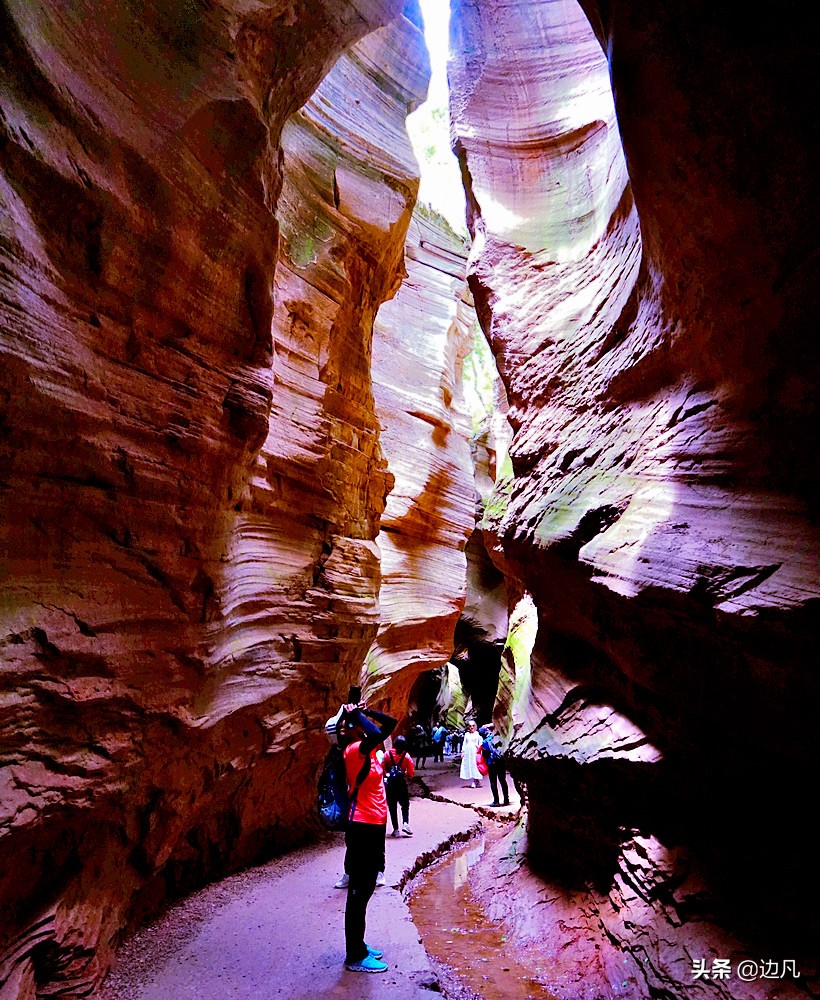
pixel 488 603
pixel 192 480
pixel 420 340
pixel 649 314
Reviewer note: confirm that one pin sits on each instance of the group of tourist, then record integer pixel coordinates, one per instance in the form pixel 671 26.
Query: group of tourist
pixel 429 742
pixel 437 741
pixel 479 756
pixel 377 786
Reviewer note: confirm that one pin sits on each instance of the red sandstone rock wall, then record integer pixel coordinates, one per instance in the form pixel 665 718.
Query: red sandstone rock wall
pixel 487 603
pixel 420 341
pixel 651 317
pixel 191 477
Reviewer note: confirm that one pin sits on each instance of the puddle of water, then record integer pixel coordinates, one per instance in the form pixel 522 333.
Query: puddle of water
pixel 457 933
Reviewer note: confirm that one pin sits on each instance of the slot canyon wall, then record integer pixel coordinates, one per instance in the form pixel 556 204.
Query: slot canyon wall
pixel 652 313
pixel 192 479
pixel 207 395
pixel 430 513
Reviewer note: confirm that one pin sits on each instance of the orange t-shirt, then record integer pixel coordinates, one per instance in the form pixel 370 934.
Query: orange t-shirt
pixel 371 801
pixel 393 757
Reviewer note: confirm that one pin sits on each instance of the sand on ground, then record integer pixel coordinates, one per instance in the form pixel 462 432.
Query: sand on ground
pixel 277 930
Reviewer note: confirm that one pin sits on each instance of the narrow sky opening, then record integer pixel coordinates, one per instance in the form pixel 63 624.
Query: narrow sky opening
pixel 429 126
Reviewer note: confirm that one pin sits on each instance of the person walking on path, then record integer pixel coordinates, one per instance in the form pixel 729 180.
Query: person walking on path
pixel 469 749
pixel 496 768
pixel 398 767
pixel 424 746
pixel 416 739
pixel 366 826
pixel 439 734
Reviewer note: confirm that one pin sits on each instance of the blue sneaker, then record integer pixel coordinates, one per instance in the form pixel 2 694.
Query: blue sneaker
pixel 368 964
pixel 373 952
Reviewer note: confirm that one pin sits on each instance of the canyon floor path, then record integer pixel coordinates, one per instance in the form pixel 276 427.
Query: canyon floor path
pixel 277 930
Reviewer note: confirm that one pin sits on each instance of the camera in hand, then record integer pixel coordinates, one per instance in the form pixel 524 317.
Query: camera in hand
pixel 354 695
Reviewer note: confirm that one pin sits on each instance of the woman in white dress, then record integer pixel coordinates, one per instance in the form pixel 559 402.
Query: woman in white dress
pixel 469 766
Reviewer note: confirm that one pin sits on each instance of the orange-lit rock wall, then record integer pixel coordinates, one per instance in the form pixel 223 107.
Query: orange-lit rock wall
pixel 198 543
pixel 651 315
pixel 191 479
pixel 420 341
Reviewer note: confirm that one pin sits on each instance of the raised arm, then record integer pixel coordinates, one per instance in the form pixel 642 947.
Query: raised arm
pixel 377 726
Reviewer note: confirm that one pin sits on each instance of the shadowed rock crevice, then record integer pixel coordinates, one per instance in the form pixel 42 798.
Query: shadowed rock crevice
pixel 654 511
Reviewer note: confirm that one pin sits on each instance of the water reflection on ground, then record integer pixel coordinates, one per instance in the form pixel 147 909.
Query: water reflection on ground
pixel 464 861
pixel 458 936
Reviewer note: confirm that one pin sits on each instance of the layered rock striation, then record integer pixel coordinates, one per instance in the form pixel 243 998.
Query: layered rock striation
pixel 420 340
pixel 202 208
pixel 649 312
pixel 192 480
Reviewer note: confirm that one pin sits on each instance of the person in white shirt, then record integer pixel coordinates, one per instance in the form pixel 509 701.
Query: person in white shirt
pixel 469 749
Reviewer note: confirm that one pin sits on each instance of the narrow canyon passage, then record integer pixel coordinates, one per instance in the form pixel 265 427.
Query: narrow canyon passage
pixel 235 938
pixel 273 422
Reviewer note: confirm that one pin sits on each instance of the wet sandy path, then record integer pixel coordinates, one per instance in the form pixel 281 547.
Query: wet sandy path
pixel 277 930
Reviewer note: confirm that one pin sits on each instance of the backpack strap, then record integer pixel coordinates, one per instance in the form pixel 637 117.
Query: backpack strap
pixel 363 773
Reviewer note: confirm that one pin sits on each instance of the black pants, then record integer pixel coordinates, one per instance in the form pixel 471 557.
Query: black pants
pixel 498 774
pixel 398 795
pixel 438 751
pixel 364 859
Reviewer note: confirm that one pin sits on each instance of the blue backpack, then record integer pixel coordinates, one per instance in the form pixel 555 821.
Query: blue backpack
pixel 333 803
pixel 491 755
pixel 332 791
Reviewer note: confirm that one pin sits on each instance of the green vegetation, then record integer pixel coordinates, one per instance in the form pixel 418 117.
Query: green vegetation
pixel 426 210
pixel 371 661
pixel 452 696
pixel 520 641
pixel 495 506
pixel 429 131
pixel 303 251
pixel 477 377
pixel 303 247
